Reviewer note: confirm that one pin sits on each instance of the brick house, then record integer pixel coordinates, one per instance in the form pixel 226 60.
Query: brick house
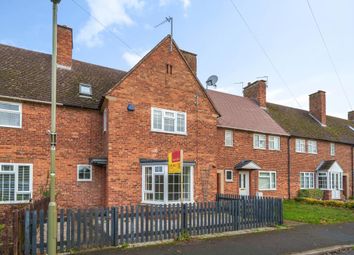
pixel 115 129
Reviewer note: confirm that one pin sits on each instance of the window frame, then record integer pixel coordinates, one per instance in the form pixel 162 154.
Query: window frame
pixel 231 133
pixel 270 180
pixel 78 171
pixel 332 149
pixel 163 111
pixel 297 147
pixel 314 145
pixel 87 86
pixel 16 192
pixel 307 175
pixel 259 136
pixel 232 175
pixel 274 137
pixel 12 111
pixel 166 192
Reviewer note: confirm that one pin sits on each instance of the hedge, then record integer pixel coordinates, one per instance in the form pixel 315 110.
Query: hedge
pixel 332 203
pixel 311 193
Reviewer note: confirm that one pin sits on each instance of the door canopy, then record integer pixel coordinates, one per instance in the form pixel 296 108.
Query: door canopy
pixel 329 166
pixel 247 165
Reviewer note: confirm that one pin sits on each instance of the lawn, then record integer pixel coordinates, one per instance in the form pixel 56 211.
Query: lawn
pixel 316 214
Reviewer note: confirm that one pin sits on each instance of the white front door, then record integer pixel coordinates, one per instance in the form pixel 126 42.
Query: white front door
pixel 244 183
pixel 336 184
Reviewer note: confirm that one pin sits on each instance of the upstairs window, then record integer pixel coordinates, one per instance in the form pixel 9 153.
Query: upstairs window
pixel 10 115
pixel 300 146
pixel 85 90
pixel 333 149
pixel 274 143
pixel 229 141
pixel 312 147
pixel 168 121
pixel 259 141
pixel 15 183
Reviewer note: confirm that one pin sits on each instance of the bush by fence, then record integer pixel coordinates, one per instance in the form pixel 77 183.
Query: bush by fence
pixel 80 229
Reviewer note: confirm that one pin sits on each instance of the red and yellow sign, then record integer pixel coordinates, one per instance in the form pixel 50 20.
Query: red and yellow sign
pixel 175 160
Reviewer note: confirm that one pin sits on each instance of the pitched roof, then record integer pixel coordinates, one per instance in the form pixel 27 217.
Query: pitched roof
pixel 247 165
pixel 299 123
pixel 325 165
pixel 243 114
pixel 27 74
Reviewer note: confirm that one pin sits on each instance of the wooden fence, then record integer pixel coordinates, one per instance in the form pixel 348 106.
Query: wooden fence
pixel 11 234
pixel 82 229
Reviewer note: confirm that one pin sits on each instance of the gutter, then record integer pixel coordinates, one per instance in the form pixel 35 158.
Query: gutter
pixel 289 167
pixel 27 100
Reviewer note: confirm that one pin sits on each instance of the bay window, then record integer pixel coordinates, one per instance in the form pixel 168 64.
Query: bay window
pixel 15 183
pixel 161 187
pixel 168 121
pixel 267 180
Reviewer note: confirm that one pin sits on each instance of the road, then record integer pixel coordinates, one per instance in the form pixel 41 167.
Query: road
pixel 297 239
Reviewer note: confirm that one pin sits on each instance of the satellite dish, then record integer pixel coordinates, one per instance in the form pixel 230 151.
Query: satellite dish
pixel 211 81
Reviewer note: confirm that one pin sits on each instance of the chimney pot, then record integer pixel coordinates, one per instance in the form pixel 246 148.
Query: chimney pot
pixel 257 91
pixel 351 115
pixel 318 106
pixel 65 46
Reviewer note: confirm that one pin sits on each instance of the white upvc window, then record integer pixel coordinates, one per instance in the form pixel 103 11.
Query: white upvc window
pixel 105 119
pixel 259 141
pixel 274 143
pixel 229 138
pixel 267 180
pixel 168 121
pixel 332 149
pixel 10 114
pixel 322 180
pixel 84 173
pixel 229 175
pixel 15 183
pixel 312 147
pixel 160 187
pixel 300 145
pixel 307 180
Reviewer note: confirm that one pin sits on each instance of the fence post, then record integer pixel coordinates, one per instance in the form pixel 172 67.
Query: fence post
pixel 281 211
pixel 15 233
pixel 184 217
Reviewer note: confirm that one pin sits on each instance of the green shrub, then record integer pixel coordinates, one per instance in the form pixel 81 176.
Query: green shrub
pixel 311 193
pixel 2 226
pixel 329 203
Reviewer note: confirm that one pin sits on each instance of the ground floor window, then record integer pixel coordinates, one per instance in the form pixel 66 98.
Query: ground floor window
pixel 330 180
pixel 161 187
pixel 15 183
pixel 267 180
pixel 307 180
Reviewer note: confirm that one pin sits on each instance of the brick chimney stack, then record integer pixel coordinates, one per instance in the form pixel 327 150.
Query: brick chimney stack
pixel 191 59
pixel 257 91
pixel 65 47
pixel 318 106
pixel 351 115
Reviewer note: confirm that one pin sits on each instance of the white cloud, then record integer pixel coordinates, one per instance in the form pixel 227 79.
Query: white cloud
pixel 133 58
pixel 109 13
pixel 185 3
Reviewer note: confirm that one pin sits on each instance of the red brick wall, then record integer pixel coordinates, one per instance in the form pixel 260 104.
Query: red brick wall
pixel 305 162
pixel 65 46
pixel 79 137
pixel 228 157
pixel 130 137
pixel 257 91
pixel 318 106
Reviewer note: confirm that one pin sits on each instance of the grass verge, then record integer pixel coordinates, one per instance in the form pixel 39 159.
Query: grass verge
pixel 316 214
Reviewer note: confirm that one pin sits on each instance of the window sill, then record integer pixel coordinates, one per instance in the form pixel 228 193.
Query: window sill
pixel 229 181
pixel 229 146
pixel 165 203
pixel 274 150
pixel 15 202
pixel 267 189
pixel 312 153
pixel 169 133
pixel 301 152
pixel 84 180
pixel 259 148
pixel 3 126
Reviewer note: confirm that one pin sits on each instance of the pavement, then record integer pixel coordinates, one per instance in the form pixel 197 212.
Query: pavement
pixel 296 239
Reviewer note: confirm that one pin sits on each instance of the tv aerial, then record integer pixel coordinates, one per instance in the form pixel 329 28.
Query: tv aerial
pixel 168 19
pixel 211 81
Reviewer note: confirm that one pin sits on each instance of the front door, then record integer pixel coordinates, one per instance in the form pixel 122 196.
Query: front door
pixel 336 184
pixel 244 183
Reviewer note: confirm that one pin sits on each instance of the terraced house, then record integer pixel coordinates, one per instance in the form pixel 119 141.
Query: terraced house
pixel 115 129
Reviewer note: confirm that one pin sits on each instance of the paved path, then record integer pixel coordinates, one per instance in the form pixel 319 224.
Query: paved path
pixel 297 239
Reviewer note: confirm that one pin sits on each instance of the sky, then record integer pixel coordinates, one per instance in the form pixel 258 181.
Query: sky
pixel 284 44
